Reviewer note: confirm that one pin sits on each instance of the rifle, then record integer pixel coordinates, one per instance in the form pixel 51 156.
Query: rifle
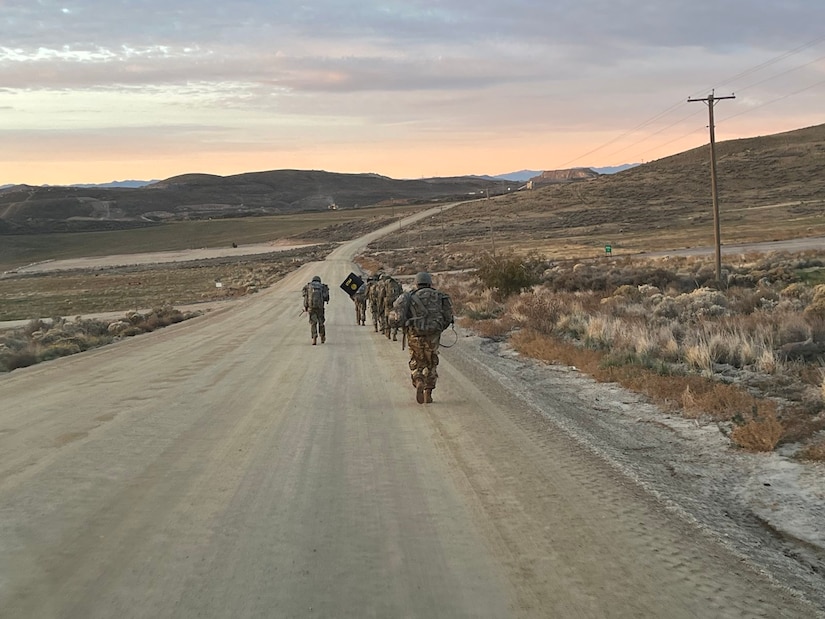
pixel 303 311
pixel 404 338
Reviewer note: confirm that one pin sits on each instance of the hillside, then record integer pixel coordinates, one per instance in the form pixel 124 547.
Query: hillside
pixel 770 188
pixel 25 209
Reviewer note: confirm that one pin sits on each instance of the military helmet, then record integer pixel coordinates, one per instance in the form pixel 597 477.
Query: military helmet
pixel 384 276
pixel 316 279
pixel 423 279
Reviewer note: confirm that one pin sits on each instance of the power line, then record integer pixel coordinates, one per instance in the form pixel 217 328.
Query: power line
pixel 681 137
pixel 767 63
pixel 772 77
pixel 655 133
pixel 772 101
pixel 730 80
pixel 626 133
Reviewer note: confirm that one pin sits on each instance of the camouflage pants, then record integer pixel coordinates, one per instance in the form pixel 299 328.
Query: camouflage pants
pixel 316 323
pixel 382 321
pixel 360 311
pixel 375 313
pixel 386 329
pixel 424 357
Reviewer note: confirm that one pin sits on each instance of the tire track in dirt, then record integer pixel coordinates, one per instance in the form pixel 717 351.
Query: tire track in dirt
pixel 579 537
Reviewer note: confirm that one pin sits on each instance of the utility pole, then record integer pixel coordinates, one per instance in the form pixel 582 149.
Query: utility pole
pixel 711 100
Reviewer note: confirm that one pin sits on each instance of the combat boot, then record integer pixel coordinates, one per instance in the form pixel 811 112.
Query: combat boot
pixel 419 392
pixel 428 396
pixel 314 341
pixel 323 339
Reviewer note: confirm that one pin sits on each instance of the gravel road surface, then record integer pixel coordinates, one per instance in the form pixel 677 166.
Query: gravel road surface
pixel 224 467
pixel 182 255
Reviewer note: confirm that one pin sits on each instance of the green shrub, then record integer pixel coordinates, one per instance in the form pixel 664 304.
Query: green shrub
pixel 507 274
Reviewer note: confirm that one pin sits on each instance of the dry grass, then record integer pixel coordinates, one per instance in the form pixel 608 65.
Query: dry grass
pixel 756 427
pixel 553 350
pixel 724 402
pixel 492 328
pixel 758 434
pixel 369 265
pixel 43 340
pixel 814 451
pixel 72 293
pixel 712 354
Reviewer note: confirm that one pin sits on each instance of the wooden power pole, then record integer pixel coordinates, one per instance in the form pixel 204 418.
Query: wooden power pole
pixel 710 100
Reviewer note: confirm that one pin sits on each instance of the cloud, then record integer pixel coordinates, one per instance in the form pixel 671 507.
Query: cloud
pixel 348 46
pixel 368 72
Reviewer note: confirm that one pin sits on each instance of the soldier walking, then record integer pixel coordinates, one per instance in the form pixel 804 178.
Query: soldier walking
pixel 373 290
pixel 391 289
pixel 316 294
pixel 359 297
pixel 426 313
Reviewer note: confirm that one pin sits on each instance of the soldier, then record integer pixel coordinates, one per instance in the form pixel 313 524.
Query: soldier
pixel 359 297
pixel 372 296
pixel 426 313
pixel 390 292
pixel 316 294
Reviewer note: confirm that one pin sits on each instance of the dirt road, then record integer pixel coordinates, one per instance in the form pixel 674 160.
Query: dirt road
pixel 183 255
pixel 224 467
pixel 791 245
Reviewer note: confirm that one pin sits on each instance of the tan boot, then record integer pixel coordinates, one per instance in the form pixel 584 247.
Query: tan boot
pixel 428 396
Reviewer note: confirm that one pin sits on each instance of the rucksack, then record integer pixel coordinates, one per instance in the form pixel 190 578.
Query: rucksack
pixel 426 313
pixel 315 294
pixel 373 291
pixel 394 289
pixel 400 312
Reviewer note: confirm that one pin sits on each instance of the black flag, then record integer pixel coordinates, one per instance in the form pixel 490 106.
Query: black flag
pixel 351 284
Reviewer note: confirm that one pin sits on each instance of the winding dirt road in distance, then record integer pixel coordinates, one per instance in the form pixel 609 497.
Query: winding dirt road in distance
pixel 790 245
pixel 224 467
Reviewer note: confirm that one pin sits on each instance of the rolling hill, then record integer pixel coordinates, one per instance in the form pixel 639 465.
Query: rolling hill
pixel 26 209
pixel 770 188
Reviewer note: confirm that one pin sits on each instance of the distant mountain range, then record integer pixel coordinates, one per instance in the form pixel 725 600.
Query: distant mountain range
pixel 115 184
pixel 130 184
pixel 525 175
pixel 520 176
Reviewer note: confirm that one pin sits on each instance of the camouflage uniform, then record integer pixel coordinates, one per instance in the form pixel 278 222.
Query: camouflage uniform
pixel 359 297
pixel 423 358
pixel 381 293
pixel 391 291
pixel 424 345
pixel 372 296
pixel 316 314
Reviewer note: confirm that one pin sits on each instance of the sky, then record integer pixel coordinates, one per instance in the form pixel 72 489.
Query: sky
pixel 93 91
